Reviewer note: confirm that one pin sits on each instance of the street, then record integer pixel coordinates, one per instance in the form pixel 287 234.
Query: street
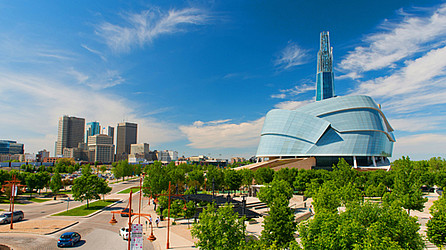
pixel 96 231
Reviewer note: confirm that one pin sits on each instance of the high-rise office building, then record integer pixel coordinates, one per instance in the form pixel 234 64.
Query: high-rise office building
pixel 125 136
pixel 110 131
pixel 93 128
pixel 324 77
pixel 101 148
pixel 11 147
pixel 70 134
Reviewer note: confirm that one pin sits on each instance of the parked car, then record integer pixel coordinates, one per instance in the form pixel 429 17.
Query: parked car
pixel 124 233
pixel 125 211
pixel 6 217
pixel 68 239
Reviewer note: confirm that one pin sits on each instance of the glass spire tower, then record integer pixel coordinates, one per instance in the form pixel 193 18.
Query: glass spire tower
pixel 324 77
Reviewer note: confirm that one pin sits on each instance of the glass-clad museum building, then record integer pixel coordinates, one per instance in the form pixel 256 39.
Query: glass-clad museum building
pixel 351 127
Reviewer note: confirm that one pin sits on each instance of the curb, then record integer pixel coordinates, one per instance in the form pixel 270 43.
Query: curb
pixel 102 209
pixel 60 229
pixel 86 216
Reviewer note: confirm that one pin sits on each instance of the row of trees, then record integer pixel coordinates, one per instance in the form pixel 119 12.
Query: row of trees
pixel 221 228
pixel 123 169
pixel 361 224
pixel 371 183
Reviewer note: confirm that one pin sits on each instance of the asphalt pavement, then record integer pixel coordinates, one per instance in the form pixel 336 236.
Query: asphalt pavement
pixel 95 230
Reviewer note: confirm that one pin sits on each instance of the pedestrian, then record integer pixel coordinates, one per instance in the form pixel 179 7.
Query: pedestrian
pixel 150 220
pixel 311 206
pixel 157 221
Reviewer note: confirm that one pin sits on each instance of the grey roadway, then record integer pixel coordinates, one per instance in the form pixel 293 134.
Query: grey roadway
pixel 96 232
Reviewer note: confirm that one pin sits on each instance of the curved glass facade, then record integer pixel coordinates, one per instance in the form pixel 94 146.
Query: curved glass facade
pixel 339 126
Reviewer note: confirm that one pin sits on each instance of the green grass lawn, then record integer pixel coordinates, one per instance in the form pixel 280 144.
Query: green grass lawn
pixel 126 191
pixel 5 200
pixel 83 210
pixel 38 200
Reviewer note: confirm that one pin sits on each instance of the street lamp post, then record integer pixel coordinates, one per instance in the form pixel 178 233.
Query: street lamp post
pixel 13 184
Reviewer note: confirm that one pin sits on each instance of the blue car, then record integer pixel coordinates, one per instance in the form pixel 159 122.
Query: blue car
pixel 68 239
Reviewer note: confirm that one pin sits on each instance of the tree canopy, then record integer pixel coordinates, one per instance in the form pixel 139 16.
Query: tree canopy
pixel 219 229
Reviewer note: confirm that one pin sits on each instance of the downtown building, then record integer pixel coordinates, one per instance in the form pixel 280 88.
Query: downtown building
pixel 92 128
pixel 333 127
pixel 101 148
pixel 126 135
pixel 70 133
pixel 8 147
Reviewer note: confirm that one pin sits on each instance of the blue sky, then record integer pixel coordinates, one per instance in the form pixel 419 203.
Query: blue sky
pixel 198 77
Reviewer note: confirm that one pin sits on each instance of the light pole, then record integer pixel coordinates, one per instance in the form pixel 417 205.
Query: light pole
pixel 13 184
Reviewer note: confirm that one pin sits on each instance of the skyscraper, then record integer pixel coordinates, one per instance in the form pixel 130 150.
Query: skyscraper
pixel 70 134
pixel 93 128
pixel 101 148
pixel 324 77
pixel 110 131
pixel 125 136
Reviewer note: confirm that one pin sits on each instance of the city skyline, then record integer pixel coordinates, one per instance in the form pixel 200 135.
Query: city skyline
pixel 200 77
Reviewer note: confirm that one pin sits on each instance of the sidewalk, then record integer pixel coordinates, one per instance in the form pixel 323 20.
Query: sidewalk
pixel 179 237
pixel 42 226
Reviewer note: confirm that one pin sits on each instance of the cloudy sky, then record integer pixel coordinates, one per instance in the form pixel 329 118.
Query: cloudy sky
pixel 199 76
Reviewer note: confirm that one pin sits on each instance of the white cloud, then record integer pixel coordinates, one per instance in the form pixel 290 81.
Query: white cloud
pixel 291 105
pixel 297 90
pixel 279 96
pixel 100 80
pixel 292 55
pixel 421 83
pixel 416 124
pixel 220 134
pixel 396 41
pixel 96 52
pixel 142 28
pixel 420 146
pixel 32 105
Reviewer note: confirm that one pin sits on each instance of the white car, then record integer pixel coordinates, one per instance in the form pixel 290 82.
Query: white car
pixel 124 233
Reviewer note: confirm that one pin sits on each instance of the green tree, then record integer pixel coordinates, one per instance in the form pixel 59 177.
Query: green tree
pixel 217 175
pixel 440 179
pixel 31 182
pixel 118 171
pixel 86 169
pixel 406 190
pixel 233 179
pixel 4 176
pixel 195 178
pixel 103 188
pixel 156 180
pixel 279 226
pixel 56 183
pixel 42 179
pixel 362 226
pixel 103 168
pixel 221 229
pixel 436 226
pixel 86 187
pixel 191 210
pixel 247 177
pixel 264 175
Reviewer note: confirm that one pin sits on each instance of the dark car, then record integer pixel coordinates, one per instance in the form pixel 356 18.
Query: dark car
pixel 68 239
pixel 6 217
pixel 125 211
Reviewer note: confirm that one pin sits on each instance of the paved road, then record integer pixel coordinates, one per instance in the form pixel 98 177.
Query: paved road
pixel 96 232
pixel 38 210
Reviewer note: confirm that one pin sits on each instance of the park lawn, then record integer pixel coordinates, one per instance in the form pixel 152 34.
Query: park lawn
pixel 38 200
pixel 126 191
pixel 83 210
pixel 5 200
